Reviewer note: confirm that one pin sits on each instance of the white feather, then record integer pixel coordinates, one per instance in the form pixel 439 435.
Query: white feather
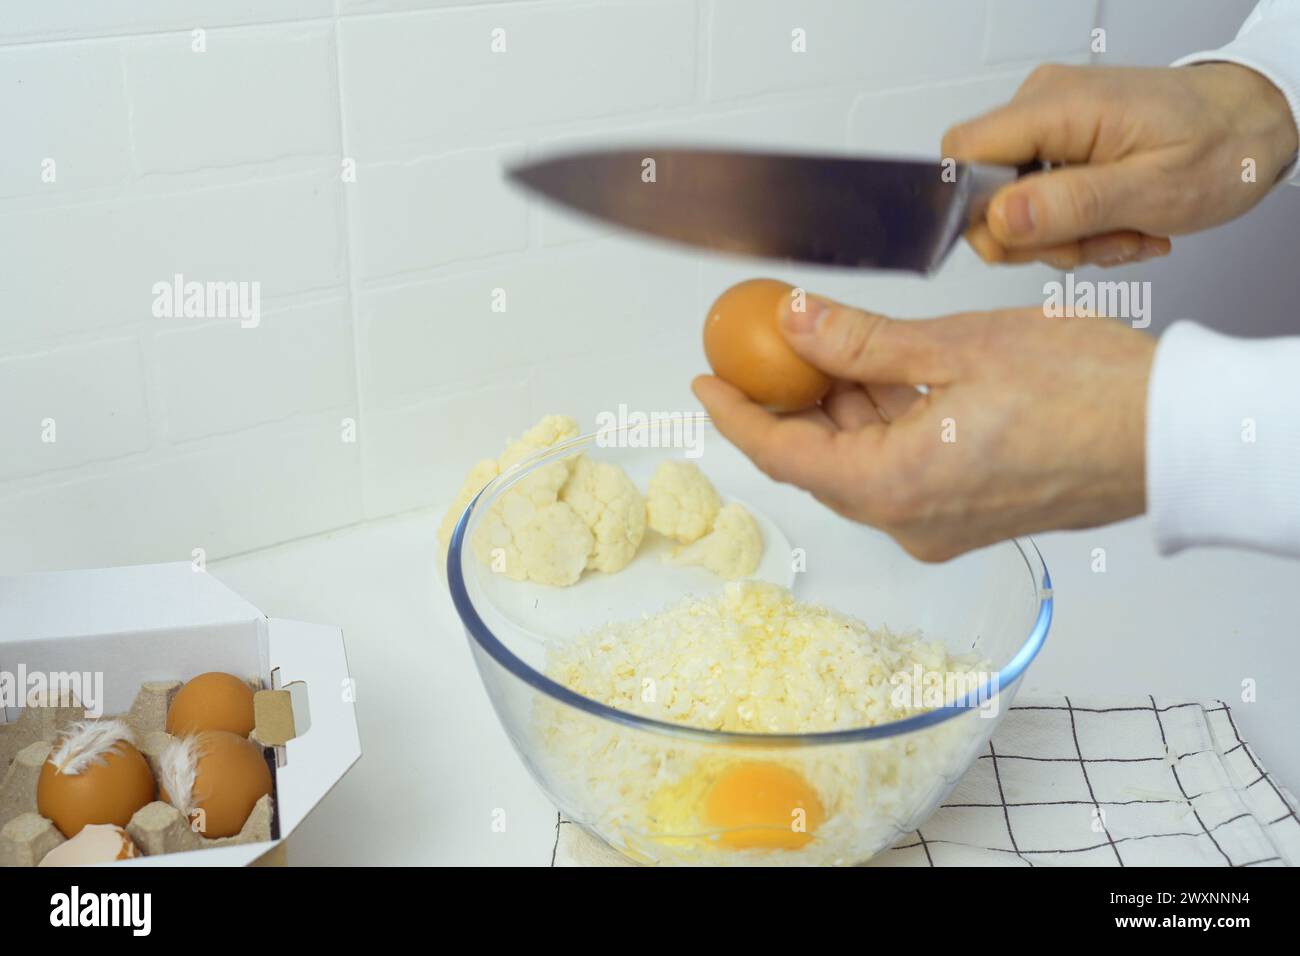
pixel 88 743
pixel 177 765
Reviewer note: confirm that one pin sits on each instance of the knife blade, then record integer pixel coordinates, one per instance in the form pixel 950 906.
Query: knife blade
pixel 863 213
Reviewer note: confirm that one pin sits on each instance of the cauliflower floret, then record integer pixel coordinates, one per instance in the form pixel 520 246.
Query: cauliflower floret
pixel 732 549
pixel 551 430
pixel 553 546
pixel 607 501
pixel 680 501
pixel 509 538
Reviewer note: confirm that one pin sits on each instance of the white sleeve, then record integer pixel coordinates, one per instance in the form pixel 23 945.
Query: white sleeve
pixel 1269 44
pixel 1223 441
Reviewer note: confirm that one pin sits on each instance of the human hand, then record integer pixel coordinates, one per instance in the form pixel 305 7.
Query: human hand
pixel 1148 153
pixel 1028 424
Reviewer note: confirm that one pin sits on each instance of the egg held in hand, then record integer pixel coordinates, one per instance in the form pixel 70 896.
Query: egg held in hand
pixel 94 775
pixel 214 778
pixel 212 701
pixel 745 347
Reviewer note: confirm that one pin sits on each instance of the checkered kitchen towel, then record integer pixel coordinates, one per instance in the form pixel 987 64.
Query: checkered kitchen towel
pixel 1134 783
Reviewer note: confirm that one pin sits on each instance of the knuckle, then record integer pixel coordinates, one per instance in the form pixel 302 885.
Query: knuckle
pixel 1087 203
pixel 954 140
pixel 1042 75
pixel 853 333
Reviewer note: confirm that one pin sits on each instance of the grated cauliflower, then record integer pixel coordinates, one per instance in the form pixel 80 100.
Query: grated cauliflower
pixel 680 502
pixel 751 659
pixel 731 549
pixel 610 505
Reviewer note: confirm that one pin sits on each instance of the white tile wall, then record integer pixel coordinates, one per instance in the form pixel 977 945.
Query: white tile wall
pixel 262 487
pixel 65 407
pixel 346 156
pixel 590 302
pixel 418 214
pixel 761 46
pixel 66 120
pixel 442 77
pixel 404 464
pixel 253 94
pixel 221 377
pixel 1028 30
pixel 77 267
pixel 913 124
pixel 61 19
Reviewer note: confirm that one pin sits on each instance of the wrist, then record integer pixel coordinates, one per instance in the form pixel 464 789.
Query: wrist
pixel 1256 110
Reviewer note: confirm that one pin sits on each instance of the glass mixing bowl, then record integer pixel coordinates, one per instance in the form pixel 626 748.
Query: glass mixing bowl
pixel 637 783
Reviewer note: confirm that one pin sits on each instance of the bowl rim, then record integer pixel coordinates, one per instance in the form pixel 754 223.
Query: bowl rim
pixel 479 633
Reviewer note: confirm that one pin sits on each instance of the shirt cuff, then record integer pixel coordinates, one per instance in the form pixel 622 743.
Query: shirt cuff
pixel 1274 57
pixel 1223 441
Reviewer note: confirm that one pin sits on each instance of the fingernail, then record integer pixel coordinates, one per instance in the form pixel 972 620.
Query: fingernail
pixel 1114 252
pixel 1151 248
pixel 803 320
pixel 1018 214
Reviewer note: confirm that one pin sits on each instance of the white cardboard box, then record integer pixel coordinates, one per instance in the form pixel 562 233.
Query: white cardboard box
pixel 165 622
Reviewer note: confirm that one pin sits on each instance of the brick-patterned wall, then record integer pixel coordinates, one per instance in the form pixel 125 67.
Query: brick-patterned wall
pixel 377 289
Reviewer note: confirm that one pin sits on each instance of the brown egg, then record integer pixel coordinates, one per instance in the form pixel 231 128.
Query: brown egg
pixel 212 701
pixel 744 346
pixel 229 774
pixel 93 776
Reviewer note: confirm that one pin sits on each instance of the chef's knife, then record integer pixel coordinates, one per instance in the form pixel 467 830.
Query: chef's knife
pixel 839 211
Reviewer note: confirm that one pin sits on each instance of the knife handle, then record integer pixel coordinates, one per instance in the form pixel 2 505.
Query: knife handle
pixel 986 180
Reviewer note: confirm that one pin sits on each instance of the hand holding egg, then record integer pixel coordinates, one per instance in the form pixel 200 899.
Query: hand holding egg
pixel 1025 423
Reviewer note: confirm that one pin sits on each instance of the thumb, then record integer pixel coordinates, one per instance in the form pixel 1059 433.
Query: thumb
pixel 1063 205
pixel 852 344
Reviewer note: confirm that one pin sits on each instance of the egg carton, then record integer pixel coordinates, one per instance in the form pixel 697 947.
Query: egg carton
pixel 156 828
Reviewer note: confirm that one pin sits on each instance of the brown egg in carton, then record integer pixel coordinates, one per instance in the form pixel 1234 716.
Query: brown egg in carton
pixel 156 828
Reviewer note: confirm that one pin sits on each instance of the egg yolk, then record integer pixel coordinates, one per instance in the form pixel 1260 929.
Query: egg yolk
pixel 762 806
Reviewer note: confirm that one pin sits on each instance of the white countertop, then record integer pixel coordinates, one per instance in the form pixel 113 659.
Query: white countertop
pixel 437 771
